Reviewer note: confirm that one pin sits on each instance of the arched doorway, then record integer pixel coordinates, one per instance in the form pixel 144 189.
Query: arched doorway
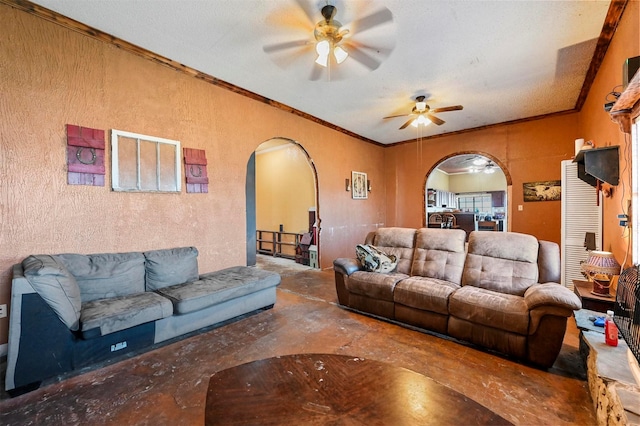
pixel 282 203
pixel 475 186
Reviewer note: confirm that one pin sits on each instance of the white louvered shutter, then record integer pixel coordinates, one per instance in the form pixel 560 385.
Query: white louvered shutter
pixel 581 213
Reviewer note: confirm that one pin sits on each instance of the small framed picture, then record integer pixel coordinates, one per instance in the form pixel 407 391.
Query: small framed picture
pixel 547 190
pixel 359 186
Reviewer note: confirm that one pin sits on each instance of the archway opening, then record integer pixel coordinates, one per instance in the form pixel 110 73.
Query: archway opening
pixel 473 188
pixel 282 206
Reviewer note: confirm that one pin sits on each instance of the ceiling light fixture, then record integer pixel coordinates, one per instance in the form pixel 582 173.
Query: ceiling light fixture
pixel 421 120
pixel 323 48
pixel 478 161
pixel 328 37
pixel 340 54
pixel 489 168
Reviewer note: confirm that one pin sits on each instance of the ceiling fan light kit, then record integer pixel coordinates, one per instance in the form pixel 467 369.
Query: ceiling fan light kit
pixel 324 48
pixel 421 120
pixel 328 37
pixel 340 54
pixel 490 168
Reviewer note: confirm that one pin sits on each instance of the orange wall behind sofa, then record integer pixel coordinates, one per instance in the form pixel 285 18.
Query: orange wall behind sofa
pixel 52 76
pixel 529 151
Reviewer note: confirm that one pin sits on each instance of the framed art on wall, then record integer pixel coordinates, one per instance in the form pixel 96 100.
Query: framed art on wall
pixel 359 186
pixel 548 190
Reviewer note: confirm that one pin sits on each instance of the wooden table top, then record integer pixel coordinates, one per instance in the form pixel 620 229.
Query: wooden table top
pixel 584 290
pixel 335 389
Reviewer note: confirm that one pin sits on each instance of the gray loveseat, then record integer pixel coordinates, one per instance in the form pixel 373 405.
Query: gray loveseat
pixel 501 292
pixel 69 311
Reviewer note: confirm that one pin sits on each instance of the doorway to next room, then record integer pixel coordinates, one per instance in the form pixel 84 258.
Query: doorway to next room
pixel 285 223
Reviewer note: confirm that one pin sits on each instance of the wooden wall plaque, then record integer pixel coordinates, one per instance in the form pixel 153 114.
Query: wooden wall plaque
pixel 195 170
pixel 85 156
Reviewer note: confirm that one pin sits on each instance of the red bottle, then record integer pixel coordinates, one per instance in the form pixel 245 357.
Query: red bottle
pixel 610 330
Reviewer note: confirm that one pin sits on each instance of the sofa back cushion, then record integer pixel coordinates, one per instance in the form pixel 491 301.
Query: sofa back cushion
pixel 398 242
pixel 101 276
pixel 549 262
pixel 54 283
pixel 506 262
pixel 439 254
pixel 171 266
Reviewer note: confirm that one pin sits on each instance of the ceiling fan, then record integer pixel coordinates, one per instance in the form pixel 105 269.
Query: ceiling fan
pixel 476 161
pixel 422 113
pixel 332 41
pixel 488 168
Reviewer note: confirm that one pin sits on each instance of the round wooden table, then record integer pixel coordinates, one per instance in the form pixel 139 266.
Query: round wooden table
pixel 335 389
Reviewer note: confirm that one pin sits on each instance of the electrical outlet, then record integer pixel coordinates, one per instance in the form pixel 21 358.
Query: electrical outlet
pixel 520 207
pixel 3 311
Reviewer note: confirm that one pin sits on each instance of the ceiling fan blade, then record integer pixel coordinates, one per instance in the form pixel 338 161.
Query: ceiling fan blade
pixel 286 58
pixel 316 72
pixel 365 59
pixel 373 20
pixel 449 108
pixel 407 123
pixel 283 46
pixel 290 19
pixel 396 116
pixel 434 119
pixel 308 10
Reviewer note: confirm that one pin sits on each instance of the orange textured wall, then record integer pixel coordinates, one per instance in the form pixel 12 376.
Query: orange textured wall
pixel 595 125
pixel 530 151
pixel 52 76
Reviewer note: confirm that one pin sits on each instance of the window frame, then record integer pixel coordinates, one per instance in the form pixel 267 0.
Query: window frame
pixel 115 166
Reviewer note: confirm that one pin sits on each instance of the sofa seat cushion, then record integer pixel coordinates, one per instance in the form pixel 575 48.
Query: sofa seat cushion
pixel 493 309
pixel 217 287
pixel 102 276
pixel 374 285
pixel 106 316
pixel 427 294
pixel 169 267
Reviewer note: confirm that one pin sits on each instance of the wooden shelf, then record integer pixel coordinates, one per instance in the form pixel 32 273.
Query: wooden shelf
pixel 627 107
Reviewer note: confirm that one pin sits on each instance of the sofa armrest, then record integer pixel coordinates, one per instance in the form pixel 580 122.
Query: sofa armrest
pixel 346 266
pixel 551 294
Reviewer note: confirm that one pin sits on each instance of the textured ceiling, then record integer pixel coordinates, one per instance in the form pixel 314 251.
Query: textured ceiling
pixel 501 60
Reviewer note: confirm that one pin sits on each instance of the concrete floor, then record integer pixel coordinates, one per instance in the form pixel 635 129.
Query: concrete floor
pixel 168 385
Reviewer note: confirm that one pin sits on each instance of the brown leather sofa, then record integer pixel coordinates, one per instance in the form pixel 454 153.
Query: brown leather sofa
pixel 501 292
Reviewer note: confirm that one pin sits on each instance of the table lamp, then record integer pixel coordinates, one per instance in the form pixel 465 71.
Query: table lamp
pixel 599 268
